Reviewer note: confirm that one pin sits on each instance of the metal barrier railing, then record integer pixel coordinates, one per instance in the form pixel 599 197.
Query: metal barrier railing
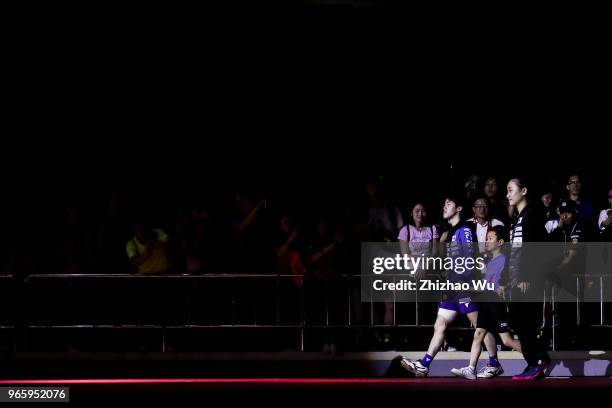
pixel 7 325
pixel 276 277
pixel 581 291
pixel 6 278
pixel 301 325
pixel 302 322
pixel 550 297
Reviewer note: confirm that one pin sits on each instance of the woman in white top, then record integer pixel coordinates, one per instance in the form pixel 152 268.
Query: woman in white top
pixel 418 236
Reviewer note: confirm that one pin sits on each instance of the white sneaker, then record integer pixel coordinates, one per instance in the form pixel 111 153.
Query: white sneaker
pixel 465 372
pixel 415 367
pixel 490 372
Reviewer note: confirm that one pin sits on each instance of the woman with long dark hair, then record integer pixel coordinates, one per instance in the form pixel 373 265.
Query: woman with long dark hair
pixel 418 236
pixel 526 282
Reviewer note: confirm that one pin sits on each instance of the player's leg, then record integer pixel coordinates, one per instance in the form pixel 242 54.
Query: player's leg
pixel 479 336
pixel 447 312
pixel 488 316
pixel 525 321
pixel 469 372
pixel 444 319
pixel 511 342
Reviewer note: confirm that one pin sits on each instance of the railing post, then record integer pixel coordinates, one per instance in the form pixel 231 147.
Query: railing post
pixel 189 290
pixel 601 301
pixel 553 302
pixel 302 317
pixel 577 300
pixel 71 299
pixel 371 303
pixel 163 317
pixel 255 301
pixel 544 309
pixel 394 303
pixel 350 299
pixel 326 302
pixel 277 300
pixel 139 300
pixel 416 305
pixel 233 302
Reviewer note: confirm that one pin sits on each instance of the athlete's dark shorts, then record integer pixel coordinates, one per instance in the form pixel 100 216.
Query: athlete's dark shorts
pixel 493 317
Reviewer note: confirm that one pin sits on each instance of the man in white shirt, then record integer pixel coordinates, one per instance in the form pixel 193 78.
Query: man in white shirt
pixel 482 221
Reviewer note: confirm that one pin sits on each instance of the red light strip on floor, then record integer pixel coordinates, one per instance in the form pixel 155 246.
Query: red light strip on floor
pixel 212 381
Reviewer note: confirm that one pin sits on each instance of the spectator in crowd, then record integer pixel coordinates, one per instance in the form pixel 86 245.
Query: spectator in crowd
pixel 111 232
pixel 570 229
pixel 550 210
pixel 418 236
pixel 288 250
pixel 584 210
pixel 571 232
pixel 195 241
pixel 605 221
pixel 472 187
pixel 569 269
pixel 552 222
pixel 482 221
pixel 146 251
pixel 498 206
pixel 73 246
pixel 322 285
pixel 548 200
pixel 382 219
pixel 251 232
